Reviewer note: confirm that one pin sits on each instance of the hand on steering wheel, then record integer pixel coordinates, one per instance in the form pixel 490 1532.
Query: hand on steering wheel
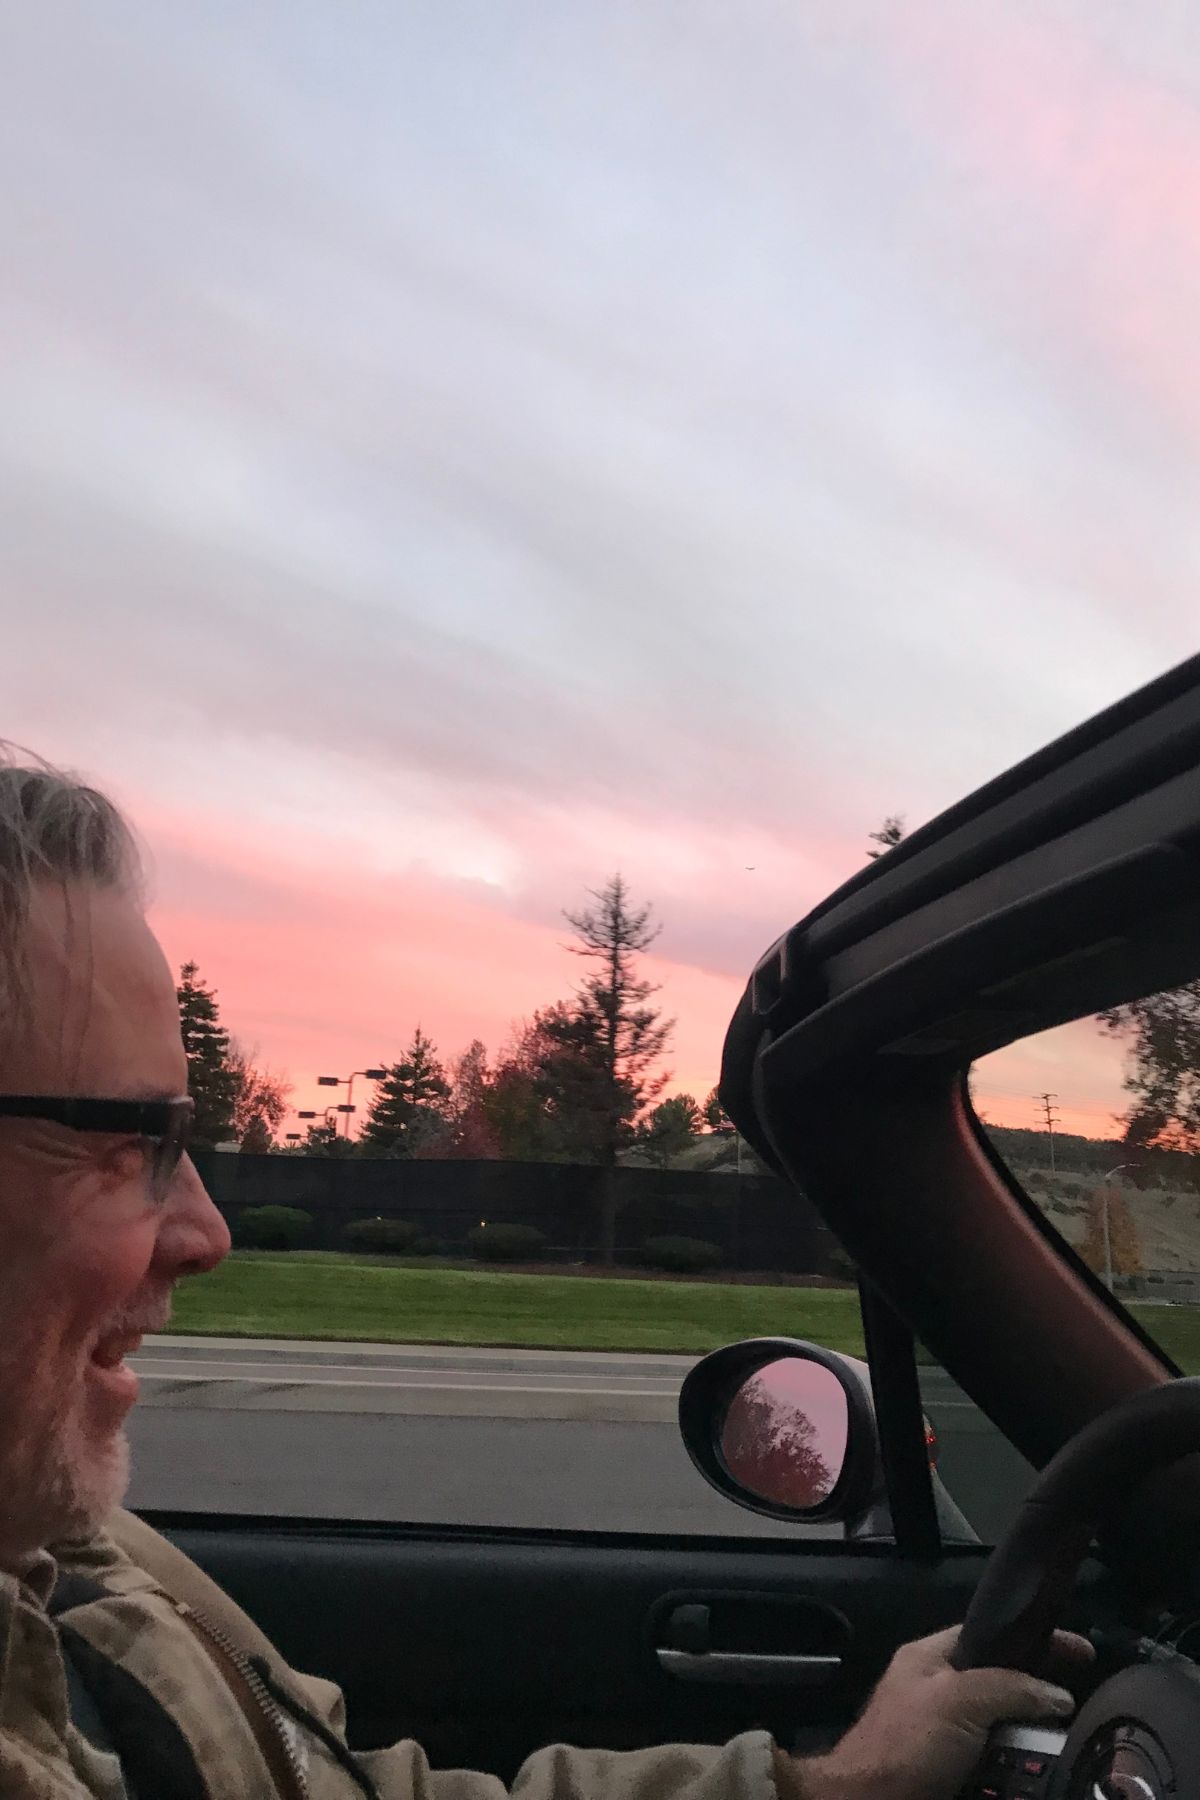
pixel 927 1724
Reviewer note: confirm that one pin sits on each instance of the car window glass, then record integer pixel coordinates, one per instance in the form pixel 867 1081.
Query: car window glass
pixel 984 1476
pixel 539 1389
pixel 1099 1123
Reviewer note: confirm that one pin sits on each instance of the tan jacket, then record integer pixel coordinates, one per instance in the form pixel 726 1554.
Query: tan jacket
pixel 202 1707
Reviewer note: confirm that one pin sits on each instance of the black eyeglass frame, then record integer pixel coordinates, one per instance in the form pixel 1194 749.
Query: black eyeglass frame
pixel 165 1124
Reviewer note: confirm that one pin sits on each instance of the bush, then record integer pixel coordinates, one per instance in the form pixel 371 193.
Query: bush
pixel 273 1228
pixel 505 1243
pixel 396 1235
pixel 435 1246
pixel 680 1255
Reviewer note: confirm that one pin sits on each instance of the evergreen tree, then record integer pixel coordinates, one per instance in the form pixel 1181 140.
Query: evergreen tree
pixel 548 1097
pixel 610 1024
pixel 669 1130
pixel 326 1140
pixel 213 1080
pixel 714 1115
pixel 615 1036
pixel 411 1103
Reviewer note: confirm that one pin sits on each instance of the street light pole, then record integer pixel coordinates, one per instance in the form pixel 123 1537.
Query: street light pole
pixel 347 1081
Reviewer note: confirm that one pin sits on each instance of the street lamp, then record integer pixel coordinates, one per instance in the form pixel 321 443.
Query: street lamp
pixel 347 1081
pixel 1108 1268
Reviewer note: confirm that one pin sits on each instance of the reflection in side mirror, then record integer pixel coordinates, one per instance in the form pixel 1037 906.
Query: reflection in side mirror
pixel 784 1434
pixel 787 1429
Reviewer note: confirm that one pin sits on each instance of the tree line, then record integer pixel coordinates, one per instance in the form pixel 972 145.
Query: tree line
pixel 582 1080
pixel 579 1082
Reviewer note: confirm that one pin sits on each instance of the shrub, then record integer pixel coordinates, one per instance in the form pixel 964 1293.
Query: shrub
pixel 505 1243
pixel 680 1255
pixel 273 1228
pixel 397 1235
pixel 434 1246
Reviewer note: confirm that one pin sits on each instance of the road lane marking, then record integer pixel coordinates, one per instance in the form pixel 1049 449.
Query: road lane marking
pixel 428 1387
pixel 275 1372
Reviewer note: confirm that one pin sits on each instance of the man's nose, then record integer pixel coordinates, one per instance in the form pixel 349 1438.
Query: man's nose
pixel 193 1237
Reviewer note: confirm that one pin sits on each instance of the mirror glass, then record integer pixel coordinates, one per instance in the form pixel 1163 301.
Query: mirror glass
pixel 784 1434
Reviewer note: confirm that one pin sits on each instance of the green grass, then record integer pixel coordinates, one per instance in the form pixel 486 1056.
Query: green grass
pixel 1176 1329
pixel 314 1295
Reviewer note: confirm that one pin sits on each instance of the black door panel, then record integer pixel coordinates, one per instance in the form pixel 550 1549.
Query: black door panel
pixel 485 1646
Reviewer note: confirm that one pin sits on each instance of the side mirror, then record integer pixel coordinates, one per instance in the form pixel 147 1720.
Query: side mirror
pixel 784 1428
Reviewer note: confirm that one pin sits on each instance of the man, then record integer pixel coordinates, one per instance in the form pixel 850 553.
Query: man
pixel 131 1676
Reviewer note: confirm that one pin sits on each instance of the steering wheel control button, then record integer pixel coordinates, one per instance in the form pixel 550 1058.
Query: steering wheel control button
pixel 1019 1763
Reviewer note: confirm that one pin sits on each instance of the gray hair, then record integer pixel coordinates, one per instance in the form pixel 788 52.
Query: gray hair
pixel 53 828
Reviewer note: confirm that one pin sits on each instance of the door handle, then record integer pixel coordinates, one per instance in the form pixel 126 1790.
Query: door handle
pixel 750 1668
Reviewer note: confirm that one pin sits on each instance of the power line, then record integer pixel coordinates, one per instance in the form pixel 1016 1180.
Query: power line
pixel 1052 1119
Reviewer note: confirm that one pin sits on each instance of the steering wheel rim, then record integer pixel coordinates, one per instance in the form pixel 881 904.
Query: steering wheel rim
pixel 1026 1586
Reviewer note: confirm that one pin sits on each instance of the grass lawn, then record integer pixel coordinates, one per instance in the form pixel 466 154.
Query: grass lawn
pixel 326 1295
pixel 1176 1329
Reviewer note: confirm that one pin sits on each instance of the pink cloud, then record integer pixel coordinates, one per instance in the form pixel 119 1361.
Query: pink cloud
pixel 1101 163
pixel 326 970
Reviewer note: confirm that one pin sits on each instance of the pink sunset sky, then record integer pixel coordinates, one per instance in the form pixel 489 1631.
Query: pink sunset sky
pixel 454 451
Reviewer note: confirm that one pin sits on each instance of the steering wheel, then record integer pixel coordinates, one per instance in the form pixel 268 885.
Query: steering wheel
pixel 1138 1736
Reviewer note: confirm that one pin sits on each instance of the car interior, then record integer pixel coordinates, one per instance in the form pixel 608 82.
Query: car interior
pixel 1067 885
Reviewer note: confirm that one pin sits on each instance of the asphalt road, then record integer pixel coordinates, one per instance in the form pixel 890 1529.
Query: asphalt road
pixel 477 1437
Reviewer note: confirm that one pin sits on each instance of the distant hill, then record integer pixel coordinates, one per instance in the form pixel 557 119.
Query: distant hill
pixel 1022 1148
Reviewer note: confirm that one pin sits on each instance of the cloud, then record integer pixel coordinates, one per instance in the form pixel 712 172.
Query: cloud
pixel 324 980
pixel 451 460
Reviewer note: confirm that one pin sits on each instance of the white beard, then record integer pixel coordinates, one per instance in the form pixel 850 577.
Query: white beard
pixel 60 1485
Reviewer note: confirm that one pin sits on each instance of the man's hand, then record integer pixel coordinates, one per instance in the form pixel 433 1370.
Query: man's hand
pixel 927 1724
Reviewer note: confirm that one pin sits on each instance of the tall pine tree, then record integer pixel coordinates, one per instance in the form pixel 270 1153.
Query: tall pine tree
pixel 411 1103
pixel 213 1080
pixel 613 1025
pixel 614 1032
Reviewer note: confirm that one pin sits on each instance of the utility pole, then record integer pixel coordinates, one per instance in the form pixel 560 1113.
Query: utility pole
pixel 1052 1119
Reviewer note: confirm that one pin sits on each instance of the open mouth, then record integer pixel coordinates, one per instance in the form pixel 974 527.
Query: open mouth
pixel 111 1351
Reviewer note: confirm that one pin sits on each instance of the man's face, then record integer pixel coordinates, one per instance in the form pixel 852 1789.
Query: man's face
pixel 87 1259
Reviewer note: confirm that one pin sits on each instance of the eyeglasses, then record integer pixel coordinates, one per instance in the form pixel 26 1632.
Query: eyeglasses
pixel 166 1126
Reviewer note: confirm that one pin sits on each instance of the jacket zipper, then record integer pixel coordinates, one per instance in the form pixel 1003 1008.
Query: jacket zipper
pixel 288 1762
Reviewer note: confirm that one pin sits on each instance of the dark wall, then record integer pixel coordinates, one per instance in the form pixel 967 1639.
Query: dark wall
pixel 760 1223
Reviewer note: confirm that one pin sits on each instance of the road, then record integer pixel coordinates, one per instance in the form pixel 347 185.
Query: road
pixel 571 1440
